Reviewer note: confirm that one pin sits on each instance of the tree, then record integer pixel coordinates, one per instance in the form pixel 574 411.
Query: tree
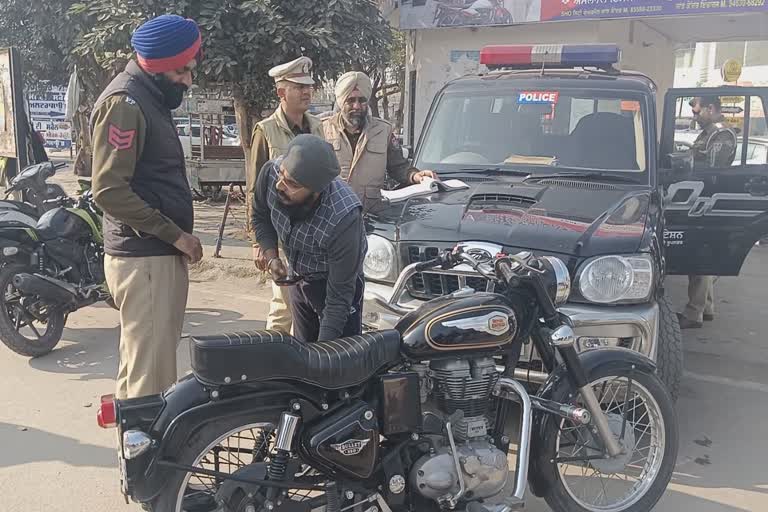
pixel 242 40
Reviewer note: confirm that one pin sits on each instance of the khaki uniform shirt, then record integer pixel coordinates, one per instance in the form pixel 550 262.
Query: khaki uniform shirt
pixel 270 140
pixel 367 158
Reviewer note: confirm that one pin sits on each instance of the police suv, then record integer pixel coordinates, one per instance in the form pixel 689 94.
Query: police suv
pixel 559 153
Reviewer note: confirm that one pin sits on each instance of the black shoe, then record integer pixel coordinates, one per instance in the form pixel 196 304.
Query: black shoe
pixel 708 318
pixel 685 323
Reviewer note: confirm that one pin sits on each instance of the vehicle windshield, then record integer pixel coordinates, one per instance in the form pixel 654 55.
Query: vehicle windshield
pixel 541 131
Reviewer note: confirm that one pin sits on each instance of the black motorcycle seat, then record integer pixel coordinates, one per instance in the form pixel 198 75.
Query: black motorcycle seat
pixel 270 355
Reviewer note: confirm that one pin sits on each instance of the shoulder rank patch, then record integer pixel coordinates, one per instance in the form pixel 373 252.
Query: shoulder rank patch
pixel 130 100
pixel 120 139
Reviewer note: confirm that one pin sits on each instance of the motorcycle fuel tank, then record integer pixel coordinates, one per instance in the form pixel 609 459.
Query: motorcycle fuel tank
pixel 62 223
pixel 480 322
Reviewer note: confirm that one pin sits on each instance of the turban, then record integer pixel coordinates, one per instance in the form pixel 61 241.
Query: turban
pixel 350 82
pixel 166 43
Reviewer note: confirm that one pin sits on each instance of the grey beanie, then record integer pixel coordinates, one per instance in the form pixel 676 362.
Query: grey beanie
pixel 311 162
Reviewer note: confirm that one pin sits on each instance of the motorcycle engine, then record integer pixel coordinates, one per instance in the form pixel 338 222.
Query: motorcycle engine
pixel 459 391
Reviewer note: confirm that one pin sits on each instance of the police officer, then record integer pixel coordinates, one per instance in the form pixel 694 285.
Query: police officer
pixel 316 217
pixel 365 146
pixel 140 182
pixel 270 140
pixel 714 148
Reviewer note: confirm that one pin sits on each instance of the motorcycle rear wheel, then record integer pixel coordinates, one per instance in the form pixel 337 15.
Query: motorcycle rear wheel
pixel 225 446
pixel 14 317
pixel 650 440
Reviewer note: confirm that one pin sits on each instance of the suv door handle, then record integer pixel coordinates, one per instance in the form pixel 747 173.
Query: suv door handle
pixel 757 187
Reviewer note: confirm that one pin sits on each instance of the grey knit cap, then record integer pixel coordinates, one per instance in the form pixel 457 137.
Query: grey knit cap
pixel 311 162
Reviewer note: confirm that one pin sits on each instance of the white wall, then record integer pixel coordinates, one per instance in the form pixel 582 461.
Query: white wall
pixel 429 52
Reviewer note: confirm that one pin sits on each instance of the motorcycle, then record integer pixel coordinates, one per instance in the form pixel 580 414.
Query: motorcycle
pixel 31 184
pixel 416 418
pixel 49 270
pixel 477 12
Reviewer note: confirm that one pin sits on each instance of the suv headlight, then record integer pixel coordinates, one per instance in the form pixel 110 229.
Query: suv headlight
pixel 609 279
pixel 379 263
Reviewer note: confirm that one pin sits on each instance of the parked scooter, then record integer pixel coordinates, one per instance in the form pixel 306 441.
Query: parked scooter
pixel 31 184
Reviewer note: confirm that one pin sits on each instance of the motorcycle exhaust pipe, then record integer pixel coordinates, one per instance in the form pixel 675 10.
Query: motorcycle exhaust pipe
pixel 50 290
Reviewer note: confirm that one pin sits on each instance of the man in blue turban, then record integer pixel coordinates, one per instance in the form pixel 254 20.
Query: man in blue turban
pixel 140 182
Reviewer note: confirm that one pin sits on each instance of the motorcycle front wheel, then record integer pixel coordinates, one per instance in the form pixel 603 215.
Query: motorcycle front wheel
pixel 642 418
pixel 27 334
pixel 226 446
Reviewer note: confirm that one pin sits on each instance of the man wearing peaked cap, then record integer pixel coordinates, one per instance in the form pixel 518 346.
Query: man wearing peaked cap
pixel 140 182
pixel 294 84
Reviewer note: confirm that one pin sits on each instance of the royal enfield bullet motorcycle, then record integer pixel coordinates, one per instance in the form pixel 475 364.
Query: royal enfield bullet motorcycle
pixel 50 269
pixel 419 418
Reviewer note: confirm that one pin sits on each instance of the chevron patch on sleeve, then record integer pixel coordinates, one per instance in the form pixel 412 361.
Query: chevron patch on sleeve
pixel 121 139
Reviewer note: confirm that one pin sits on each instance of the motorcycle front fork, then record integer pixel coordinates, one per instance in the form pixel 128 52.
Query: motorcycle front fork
pixel 564 339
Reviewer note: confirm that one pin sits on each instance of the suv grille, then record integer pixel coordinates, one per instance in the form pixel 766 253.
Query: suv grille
pixel 429 285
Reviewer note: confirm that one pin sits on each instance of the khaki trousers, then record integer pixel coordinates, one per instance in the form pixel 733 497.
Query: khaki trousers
pixel 279 317
pixel 151 293
pixel 701 298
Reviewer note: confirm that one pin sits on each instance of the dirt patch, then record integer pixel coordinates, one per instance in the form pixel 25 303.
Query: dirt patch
pixel 210 269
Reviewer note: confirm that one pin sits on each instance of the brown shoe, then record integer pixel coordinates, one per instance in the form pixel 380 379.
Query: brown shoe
pixel 708 317
pixel 685 323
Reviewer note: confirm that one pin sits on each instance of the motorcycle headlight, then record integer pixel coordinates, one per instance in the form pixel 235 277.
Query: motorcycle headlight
pixel 558 283
pixel 379 263
pixel 609 279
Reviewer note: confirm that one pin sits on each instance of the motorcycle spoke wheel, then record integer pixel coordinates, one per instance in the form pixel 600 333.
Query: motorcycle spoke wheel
pixel 600 484
pixel 25 324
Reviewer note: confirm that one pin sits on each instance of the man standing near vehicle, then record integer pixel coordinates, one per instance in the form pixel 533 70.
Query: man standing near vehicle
pixel 270 140
pixel 317 219
pixel 140 182
pixel 365 146
pixel 714 148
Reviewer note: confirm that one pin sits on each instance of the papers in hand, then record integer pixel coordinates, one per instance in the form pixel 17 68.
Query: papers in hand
pixel 426 187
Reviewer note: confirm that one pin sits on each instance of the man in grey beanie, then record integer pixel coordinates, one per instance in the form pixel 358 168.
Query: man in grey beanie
pixel 300 200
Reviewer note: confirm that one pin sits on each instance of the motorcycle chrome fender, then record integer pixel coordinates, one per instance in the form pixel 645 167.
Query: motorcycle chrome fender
pixel 541 475
pixel 188 408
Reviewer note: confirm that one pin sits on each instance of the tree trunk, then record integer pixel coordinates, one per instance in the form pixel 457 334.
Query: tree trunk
pixel 246 120
pixel 373 104
pixel 385 107
pixel 82 166
pixel 399 111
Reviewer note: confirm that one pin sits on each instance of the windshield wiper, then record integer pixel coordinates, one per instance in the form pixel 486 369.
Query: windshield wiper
pixel 583 176
pixel 495 170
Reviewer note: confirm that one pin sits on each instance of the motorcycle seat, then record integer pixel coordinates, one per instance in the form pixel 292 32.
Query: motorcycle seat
pixel 257 356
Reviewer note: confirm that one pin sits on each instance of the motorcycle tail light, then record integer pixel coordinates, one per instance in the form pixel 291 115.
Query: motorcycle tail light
pixel 106 416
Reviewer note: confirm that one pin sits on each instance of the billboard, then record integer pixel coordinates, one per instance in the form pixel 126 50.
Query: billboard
pixel 8 106
pixel 425 14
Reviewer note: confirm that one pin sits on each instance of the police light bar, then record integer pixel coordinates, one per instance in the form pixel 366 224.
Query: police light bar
pixel 559 55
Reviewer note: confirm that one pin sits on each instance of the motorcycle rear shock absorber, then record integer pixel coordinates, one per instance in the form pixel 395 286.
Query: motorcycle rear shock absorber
pixel 278 466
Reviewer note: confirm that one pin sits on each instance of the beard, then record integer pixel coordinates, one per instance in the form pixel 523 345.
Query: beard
pixel 299 211
pixel 356 120
pixel 173 93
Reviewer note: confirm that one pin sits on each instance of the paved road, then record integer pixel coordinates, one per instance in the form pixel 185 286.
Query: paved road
pixel 53 458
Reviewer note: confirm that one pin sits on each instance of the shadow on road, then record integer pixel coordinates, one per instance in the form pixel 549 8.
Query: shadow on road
pixel 91 353
pixel 33 445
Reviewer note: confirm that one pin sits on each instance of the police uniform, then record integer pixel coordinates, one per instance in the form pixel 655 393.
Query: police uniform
pixel 366 157
pixel 270 140
pixel 715 147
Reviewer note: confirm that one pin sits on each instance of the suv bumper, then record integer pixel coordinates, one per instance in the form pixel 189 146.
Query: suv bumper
pixel 634 326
